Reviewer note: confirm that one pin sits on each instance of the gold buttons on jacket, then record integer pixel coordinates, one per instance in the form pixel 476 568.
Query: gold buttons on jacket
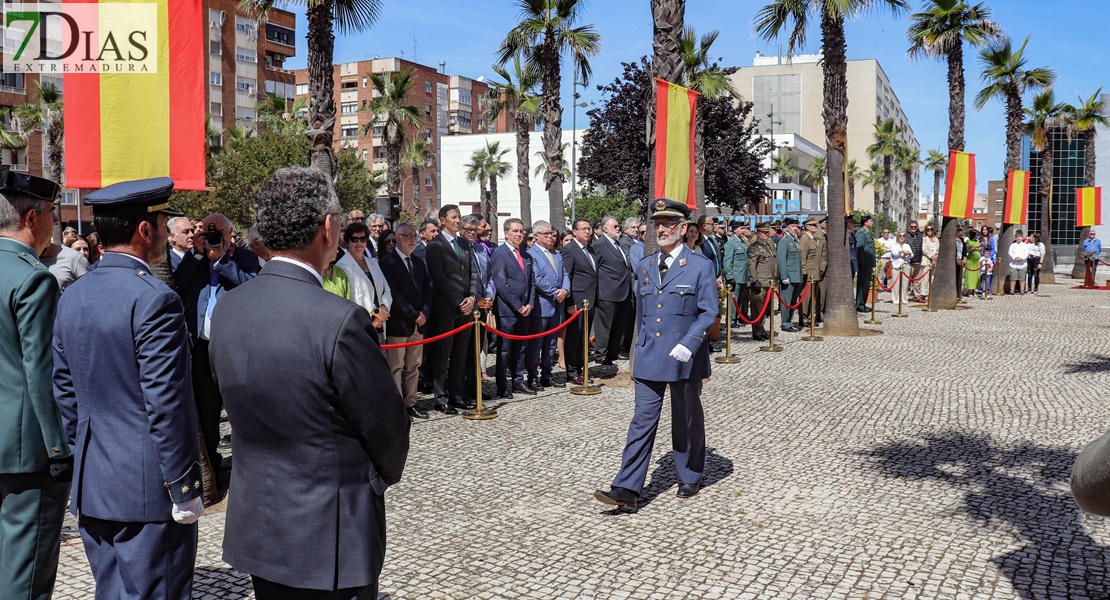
pixel 656 320
pixel 657 334
pixel 658 306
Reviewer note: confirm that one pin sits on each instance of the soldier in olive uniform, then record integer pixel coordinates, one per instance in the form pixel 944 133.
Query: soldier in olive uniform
pixel 735 264
pixel 762 266
pixel 815 259
pixel 790 273
pixel 35 460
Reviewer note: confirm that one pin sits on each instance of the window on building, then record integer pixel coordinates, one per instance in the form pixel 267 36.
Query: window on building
pixel 215 78
pixel 215 109
pixel 427 134
pixel 379 131
pixel 214 47
pixel 427 87
pixel 780 95
pixel 246 54
pixel 427 110
pixel 365 80
pixel 243 113
pixel 365 153
pixel 481 123
pixel 279 34
pixel 428 181
pixel 464 96
pixel 14 81
pixel 243 24
pixel 349 108
pixel 349 85
pixel 350 132
pixel 247 85
pixel 302 89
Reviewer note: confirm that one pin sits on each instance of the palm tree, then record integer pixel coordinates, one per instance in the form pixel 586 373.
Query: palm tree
pixel 1007 79
pixel 816 176
pixel 418 155
pixel 392 114
pixel 46 116
pixel 787 170
pixel 1084 119
pixel 477 170
pixel 234 132
pixel 771 21
pixel 936 162
pixel 853 173
pixel 939 32
pixel 278 115
pixel 545 32
pixel 703 76
pixel 516 93
pixel 1045 115
pixel 887 141
pixel 496 168
pixel 541 168
pixel 907 161
pixel 875 178
pixel 349 16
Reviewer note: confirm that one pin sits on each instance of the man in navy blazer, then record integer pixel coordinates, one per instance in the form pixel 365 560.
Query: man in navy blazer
pixel 552 288
pixel 580 265
pixel 202 280
pixel 453 305
pixel 614 292
pixel 408 279
pixel 676 295
pixel 511 267
pixel 319 430
pixel 121 381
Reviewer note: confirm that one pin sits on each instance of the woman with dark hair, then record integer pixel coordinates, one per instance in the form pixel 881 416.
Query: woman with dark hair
pixel 96 250
pixel 564 239
pixel 972 256
pixel 79 244
pixel 694 238
pixel 369 289
pixel 387 242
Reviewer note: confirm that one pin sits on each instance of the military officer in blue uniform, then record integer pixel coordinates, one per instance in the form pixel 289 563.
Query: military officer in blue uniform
pixel 676 294
pixel 122 382
pixel 35 460
pixel 790 273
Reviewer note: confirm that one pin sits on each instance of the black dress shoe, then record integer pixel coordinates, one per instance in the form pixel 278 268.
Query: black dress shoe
pixel 536 385
pixel 463 404
pixel 446 408
pixel 606 362
pixel 523 389
pixel 552 383
pixel 505 395
pixel 417 413
pixel 619 497
pixel 623 356
pixel 790 328
pixel 686 490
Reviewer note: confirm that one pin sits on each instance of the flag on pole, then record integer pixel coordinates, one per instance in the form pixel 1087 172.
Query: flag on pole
pixel 959 189
pixel 1017 197
pixel 126 125
pixel 675 118
pixel 1088 206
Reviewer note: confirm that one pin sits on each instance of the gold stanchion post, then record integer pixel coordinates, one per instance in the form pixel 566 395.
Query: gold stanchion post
pixel 874 301
pixel 585 389
pixel 478 413
pixel 929 304
pixel 901 293
pixel 771 347
pixel 728 358
pixel 812 337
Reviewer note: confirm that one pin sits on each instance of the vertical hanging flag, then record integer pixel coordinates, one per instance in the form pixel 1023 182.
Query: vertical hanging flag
pixel 1017 197
pixel 675 122
pixel 124 123
pixel 959 189
pixel 1088 206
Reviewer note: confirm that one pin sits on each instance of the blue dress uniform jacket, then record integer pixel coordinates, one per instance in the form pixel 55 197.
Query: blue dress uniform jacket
pixel 121 380
pixel 678 310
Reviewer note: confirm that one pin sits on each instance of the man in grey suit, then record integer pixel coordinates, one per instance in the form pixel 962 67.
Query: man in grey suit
pixel 676 295
pixel 318 427
pixel 552 288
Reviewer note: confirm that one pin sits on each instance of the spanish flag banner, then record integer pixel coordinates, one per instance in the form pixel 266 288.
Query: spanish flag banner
pixel 675 118
pixel 125 123
pixel 959 190
pixel 1017 197
pixel 1088 206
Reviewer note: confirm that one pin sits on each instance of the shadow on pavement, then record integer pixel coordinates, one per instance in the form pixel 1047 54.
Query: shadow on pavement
pixel 223 583
pixel 1021 487
pixel 1094 364
pixel 664 476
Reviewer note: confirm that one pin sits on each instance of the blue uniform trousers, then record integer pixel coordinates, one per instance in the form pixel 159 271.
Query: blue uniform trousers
pixel 140 560
pixel 32 506
pixel 687 432
pixel 540 354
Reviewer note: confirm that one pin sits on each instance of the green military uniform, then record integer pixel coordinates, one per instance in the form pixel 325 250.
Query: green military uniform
pixel 762 261
pixel 865 257
pixel 815 259
pixel 32 503
pixel 790 276
pixel 735 267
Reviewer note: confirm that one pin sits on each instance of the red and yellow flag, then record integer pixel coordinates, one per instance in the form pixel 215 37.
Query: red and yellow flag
pixel 1088 206
pixel 959 190
pixel 1017 197
pixel 675 118
pixel 122 126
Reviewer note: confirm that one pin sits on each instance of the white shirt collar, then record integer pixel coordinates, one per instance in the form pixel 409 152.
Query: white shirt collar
pixel 302 265
pixel 674 253
pixel 450 238
pixel 399 253
pixel 131 256
pixel 176 252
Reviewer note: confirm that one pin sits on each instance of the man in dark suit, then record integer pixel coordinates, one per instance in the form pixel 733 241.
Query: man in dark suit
pixel 452 306
pixel 202 280
pixel 319 430
pixel 121 381
pixel 552 287
pixel 428 231
pixel 511 267
pixel 676 292
pixel 35 459
pixel 408 279
pixel 614 292
pixel 578 260
pixel 181 240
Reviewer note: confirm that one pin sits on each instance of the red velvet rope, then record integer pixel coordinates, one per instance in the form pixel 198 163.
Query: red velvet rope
pixel 801 298
pixel 979 268
pixel 893 282
pixel 441 336
pixel 533 336
pixel 762 311
pixel 1103 262
pixel 924 274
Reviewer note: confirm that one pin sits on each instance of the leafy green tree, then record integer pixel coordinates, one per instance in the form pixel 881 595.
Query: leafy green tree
pixel 1045 115
pixel 906 161
pixel 594 202
pixel 776 18
pixel 1085 118
pixel 355 185
pixel 393 114
pixel 703 76
pixel 786 169
pixel 516 93
pixel 487 165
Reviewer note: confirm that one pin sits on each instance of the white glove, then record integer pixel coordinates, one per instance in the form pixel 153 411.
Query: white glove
pixel 786 282
pixel 681 353
pixel 189 512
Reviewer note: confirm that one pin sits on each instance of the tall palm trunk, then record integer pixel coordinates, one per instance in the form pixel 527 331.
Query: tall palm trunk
pixel 699 162
pixel 1079 267
pixel 393 166
pixel 851 195
pixel 944 290
pixel 840 308
pixel 491 206
pixel 888 187
pixel 911 202
pixel 54 151
pixel 669 18
pixel 419 206
pixel 1015 129
pixel 552 111
pixel 321 104
pixel 523 130
pixel 936 198
pixel 1048 261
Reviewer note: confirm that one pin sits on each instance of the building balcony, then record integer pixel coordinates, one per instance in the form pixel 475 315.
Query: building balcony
pixel 22 167
pixel 12 89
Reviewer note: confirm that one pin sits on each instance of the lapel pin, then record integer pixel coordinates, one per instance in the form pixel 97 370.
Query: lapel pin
pixel 682 262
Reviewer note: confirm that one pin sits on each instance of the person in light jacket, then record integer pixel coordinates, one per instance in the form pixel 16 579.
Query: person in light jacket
pixel 369 287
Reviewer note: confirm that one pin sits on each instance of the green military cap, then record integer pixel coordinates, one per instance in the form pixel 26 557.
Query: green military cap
pixel 764 228
pixel 812 221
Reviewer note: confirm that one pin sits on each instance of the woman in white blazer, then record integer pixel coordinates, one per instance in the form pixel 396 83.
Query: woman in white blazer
pixel 369 288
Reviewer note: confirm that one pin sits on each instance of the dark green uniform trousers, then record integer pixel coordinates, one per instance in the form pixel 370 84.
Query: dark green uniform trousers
pixel 32 506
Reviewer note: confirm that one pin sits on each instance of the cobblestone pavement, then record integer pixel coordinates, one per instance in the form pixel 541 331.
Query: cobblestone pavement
pixel 927 462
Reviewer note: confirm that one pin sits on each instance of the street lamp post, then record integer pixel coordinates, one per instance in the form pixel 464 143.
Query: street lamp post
pixel 574 149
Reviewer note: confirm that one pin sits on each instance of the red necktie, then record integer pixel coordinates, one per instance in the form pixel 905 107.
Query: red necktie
pixel 519 259
pixel 408 263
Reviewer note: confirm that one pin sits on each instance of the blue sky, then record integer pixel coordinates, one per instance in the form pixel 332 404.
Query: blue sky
pixel 466 35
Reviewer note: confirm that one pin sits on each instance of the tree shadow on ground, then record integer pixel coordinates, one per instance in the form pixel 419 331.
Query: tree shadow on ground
pixel 664 476
pixel 1093 364
pixel 1021 487
pixel 223 583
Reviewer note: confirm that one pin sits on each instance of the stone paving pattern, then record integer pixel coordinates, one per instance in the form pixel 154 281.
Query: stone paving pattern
pixel 927 462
